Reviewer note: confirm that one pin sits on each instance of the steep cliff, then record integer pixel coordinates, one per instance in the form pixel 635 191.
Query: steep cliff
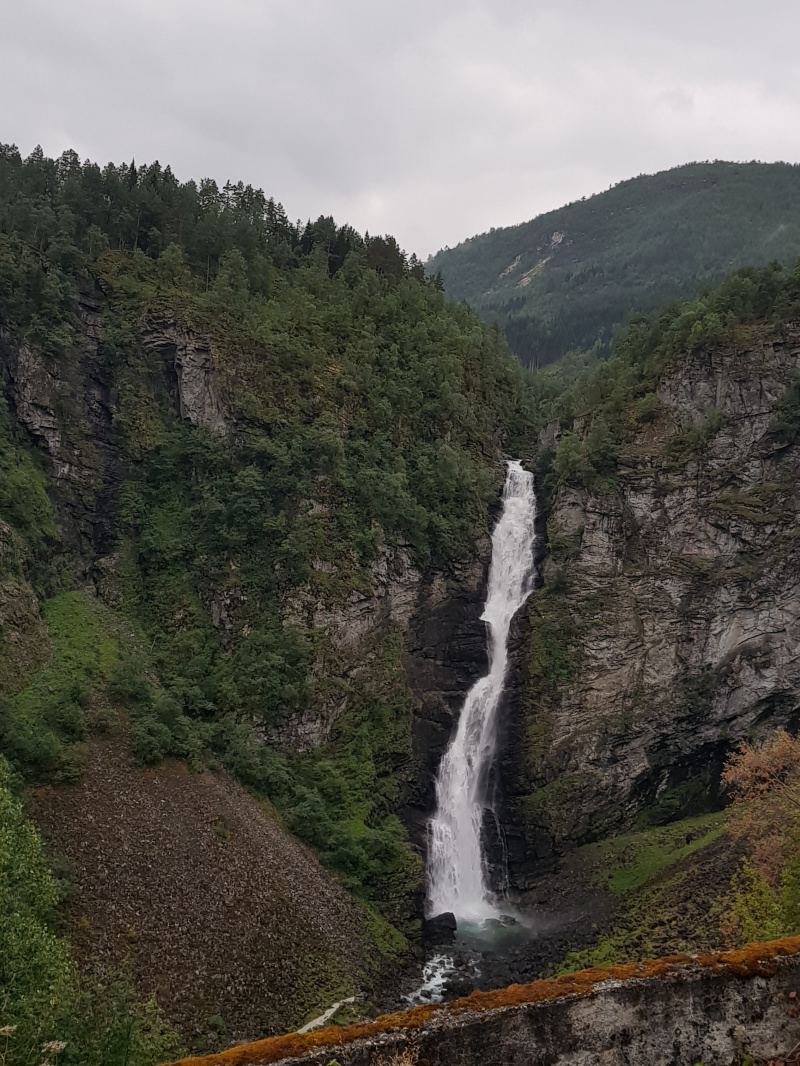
pixel 666 629
pixel 245 478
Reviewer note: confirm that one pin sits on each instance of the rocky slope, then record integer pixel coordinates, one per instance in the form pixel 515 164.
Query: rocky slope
pixel 667 627
pixel 198 891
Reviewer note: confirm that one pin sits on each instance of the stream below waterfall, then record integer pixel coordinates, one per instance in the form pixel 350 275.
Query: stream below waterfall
pixel 564 913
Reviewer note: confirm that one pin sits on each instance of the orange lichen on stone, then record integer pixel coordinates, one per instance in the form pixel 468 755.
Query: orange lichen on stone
pixel 752 961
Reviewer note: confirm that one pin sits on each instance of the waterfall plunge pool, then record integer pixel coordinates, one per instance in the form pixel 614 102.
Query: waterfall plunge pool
pixel 526 941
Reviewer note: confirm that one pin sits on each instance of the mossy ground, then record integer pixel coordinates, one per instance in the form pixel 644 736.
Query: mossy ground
pixel 670 883
pixel 625 862
pixel 24 643
pixel 43 724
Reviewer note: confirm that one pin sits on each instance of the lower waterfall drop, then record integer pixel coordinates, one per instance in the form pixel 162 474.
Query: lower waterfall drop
pixel 457 874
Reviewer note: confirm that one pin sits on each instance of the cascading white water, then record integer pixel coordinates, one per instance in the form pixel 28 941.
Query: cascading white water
pixel 457 874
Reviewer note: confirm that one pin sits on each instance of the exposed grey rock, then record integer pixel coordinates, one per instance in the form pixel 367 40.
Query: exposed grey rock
pixel 350 630
pixel 685 595
pixel 189 361
pixel 390 600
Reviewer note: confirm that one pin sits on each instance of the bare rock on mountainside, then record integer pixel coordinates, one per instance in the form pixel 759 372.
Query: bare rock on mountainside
pixel 673 598
pixel 191 370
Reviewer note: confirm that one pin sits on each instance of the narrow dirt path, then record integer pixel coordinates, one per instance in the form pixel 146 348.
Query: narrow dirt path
pixel 329 1013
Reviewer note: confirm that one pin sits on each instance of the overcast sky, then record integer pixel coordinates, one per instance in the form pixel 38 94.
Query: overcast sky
pixel 430 120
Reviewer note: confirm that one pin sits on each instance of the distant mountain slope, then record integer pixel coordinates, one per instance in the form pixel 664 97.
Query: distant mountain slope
pixel 571 277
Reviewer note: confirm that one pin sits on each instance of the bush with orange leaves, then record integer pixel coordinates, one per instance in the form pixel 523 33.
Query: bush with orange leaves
pixel 765 781
pixel 764 899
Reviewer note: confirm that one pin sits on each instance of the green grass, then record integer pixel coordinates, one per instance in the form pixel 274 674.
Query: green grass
pixel 625 862
pixel 389 941
pixel 84 652
pixel 40 726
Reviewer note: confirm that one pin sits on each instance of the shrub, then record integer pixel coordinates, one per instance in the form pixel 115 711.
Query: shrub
pixel 766 801
pixel 693 440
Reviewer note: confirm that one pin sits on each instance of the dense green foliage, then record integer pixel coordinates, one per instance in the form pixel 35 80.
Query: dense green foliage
pixel 614 396
pixel 43 1007
pixel 571 278
pixel 42 725
pixel 364 412
pixel 24 504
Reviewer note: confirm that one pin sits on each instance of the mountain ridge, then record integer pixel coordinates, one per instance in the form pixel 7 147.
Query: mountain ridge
pixel 570 278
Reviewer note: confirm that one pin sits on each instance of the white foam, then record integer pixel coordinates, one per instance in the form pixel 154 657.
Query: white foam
pixel 457 874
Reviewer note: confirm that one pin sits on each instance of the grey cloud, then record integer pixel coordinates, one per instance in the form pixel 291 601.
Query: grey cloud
pixel 432 121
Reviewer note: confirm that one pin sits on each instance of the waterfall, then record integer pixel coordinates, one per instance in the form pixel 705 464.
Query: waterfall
pixel 457 873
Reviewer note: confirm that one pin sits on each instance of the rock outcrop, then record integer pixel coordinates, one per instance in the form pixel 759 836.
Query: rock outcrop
pixel 669 621
pixel 192 373
pixel 351 626
pixel 435 615
pixel 73 406
pixel 66 405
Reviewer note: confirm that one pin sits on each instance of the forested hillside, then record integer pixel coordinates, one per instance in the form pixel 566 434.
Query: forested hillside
pixel 571 278
pixel 222 434
pixel 248 470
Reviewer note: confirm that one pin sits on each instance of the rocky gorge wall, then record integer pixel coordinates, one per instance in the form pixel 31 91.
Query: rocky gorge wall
pixel 663 631
pixel 715 1009
pixel 71 408
pixel 667 627
pixel 397 632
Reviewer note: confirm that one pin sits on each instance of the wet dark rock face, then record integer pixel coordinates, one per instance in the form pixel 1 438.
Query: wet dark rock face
pixel 445 654
pixel 516 855
pixel 439 930
pixel 66 405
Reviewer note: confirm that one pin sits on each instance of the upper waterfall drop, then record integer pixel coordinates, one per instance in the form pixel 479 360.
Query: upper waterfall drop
pixel 457 874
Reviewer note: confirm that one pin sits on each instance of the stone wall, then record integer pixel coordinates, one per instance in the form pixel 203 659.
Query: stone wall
pixel 713 1009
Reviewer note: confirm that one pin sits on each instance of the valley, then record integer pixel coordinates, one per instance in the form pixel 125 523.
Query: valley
pixel 335 644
